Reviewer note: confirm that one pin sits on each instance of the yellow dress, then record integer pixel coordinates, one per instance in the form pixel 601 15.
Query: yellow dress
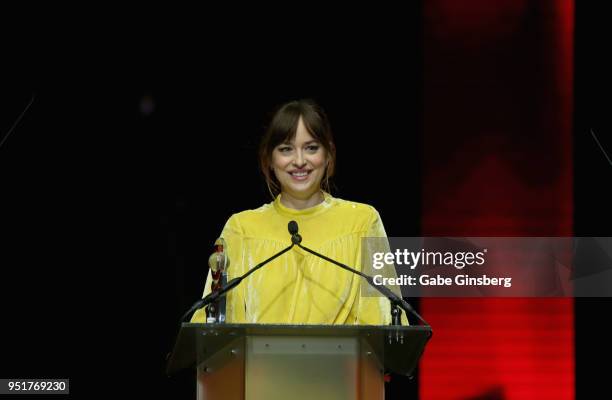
pixel 298 287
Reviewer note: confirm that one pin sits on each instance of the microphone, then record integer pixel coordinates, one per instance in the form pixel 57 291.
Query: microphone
pixel 293 231
pixel 396 301
pixel 214 296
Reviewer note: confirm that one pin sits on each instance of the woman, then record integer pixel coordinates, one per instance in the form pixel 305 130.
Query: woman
pixel 297 157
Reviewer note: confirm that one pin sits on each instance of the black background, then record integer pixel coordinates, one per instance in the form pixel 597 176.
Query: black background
pixel 592 182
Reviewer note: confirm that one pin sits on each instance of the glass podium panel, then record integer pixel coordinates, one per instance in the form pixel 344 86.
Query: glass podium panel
pixel 252 361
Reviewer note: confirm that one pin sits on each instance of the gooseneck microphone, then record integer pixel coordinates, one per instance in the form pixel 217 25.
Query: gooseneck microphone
pixel 293 231
pixel 396 301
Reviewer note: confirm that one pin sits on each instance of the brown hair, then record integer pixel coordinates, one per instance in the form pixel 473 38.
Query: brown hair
pixel 282 128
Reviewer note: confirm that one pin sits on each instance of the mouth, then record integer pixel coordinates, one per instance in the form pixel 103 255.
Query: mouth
pixel 300 175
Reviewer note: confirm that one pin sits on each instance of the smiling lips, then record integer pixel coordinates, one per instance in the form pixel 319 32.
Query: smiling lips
pixel 300 174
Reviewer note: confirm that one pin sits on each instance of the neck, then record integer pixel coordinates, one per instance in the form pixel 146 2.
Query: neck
pixel 299 204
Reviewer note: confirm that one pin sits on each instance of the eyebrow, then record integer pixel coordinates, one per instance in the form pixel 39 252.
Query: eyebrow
pixel 306 143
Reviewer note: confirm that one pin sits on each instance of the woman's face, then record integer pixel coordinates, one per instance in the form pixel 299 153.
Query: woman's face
pixel 300 165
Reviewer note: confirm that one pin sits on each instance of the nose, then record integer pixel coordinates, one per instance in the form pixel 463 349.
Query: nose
pixel 299 160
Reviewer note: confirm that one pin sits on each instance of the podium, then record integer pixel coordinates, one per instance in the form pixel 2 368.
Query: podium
pixel 255 361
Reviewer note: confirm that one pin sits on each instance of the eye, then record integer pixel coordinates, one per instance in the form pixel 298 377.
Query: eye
pixel 284 149
pixel 312 148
